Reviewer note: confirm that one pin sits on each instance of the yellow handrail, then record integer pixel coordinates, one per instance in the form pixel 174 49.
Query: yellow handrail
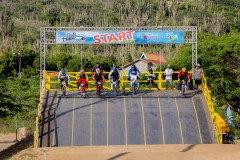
pixel 219 124
pixel 51 80
pixel 42 91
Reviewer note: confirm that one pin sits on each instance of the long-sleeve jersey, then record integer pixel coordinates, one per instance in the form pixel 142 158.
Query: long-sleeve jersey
pixel 133 71
pixel 98 77
pixel 114 75
pixel 110 74
pixel 182 74
pixel 62 75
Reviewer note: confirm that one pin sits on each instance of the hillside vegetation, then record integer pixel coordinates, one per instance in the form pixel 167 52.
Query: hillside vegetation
pixel 218 25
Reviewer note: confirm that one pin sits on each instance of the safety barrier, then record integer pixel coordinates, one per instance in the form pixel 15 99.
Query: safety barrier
pixel 53 84
pixel 219 124
pixel 42 91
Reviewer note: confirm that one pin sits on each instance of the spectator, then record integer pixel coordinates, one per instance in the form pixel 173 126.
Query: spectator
pixel 150 79
pixel 168 73
pixel 197 76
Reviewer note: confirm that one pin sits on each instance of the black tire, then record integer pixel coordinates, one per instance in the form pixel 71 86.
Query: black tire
pixel 99 90
pixel 133 88
pixel 115 89
pixel 64 91
pixel 150 85
pixel 183 89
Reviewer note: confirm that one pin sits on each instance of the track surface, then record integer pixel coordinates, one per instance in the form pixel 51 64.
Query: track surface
pixel 158 117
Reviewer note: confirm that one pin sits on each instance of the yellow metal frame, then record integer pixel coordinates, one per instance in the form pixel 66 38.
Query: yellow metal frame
pixel 50 76
pixel 42 91
pixel 219 124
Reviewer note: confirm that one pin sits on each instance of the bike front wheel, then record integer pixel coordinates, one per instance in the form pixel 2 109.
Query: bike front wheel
pixel 183 89
pixel 99 91
pixel 64 90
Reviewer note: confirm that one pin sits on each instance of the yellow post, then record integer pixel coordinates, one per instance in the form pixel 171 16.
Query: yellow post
pixel 121 81
pixel 36 123
pixel 36 133
pixel 160 80
pixel 35 139
pixel 39 109
pixel 48 80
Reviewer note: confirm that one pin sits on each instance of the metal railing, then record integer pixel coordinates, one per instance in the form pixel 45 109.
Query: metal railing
pixel 53 84
pixel 219 124
pixel 42 91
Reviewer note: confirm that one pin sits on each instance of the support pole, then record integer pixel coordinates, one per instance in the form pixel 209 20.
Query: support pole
pixel 160 59
pixel 81 57
pixel 122 57
pixel 121 84
pixel 16 140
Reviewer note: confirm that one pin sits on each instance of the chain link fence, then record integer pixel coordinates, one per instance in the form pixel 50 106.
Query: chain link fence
pixel 13 127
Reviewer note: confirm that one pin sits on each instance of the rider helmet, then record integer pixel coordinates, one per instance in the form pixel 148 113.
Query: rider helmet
pixel 184 69
pixel 150 70
pixel 114 68
pixel 133 66
pixel 63 70
pixel 97 65
pixel 82 73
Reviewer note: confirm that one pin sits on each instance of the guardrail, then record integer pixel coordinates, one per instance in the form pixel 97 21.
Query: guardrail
pixel 53 84
pixel 42 91
pixel 219 124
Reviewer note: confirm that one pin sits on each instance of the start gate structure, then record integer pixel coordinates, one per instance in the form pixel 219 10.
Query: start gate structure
pixel 187 34
pixel 48 36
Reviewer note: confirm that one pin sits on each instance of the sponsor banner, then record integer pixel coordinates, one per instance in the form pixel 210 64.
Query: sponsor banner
pixel 119 37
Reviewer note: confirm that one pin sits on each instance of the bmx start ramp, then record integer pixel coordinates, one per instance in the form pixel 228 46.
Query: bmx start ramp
pixel 139 120
pixel 143 152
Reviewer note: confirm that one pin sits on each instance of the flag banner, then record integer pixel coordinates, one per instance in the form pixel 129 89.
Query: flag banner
pixel 120 37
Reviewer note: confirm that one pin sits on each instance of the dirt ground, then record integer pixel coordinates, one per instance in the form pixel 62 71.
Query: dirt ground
pixel 9 150
pixel 8 139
